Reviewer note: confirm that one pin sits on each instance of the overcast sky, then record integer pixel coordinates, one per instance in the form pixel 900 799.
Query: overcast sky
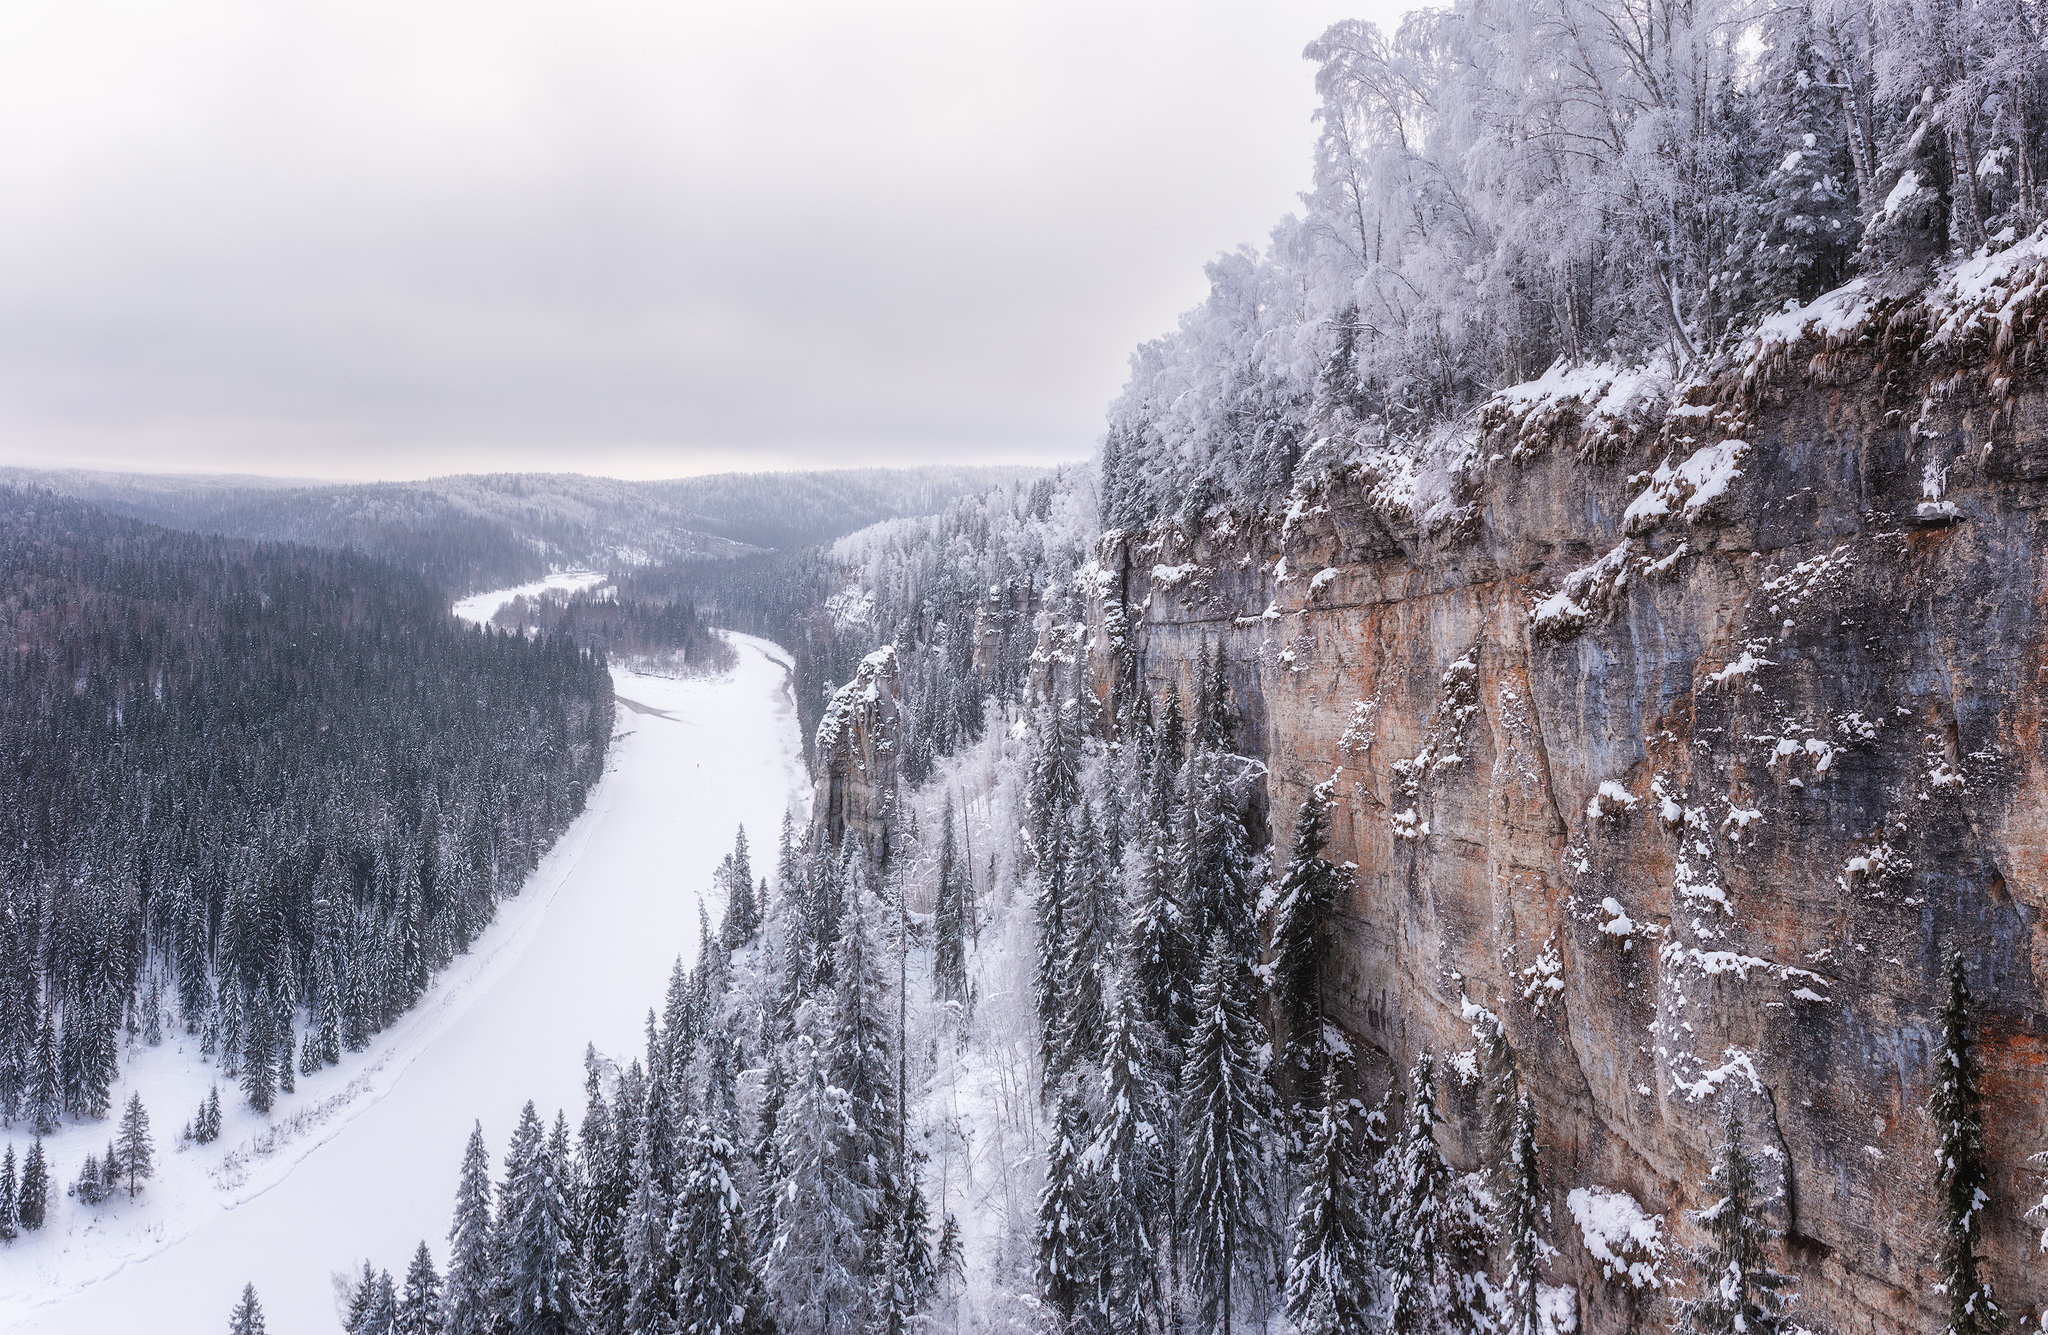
pixel 397 239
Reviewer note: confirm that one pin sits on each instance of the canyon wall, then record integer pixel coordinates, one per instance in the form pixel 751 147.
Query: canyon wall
pixel 1685 731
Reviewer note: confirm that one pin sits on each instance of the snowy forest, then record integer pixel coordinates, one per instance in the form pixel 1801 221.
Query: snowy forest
pixel 259 797
pixel 1499 188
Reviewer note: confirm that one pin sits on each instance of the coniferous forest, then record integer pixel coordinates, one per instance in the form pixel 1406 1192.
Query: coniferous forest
pixel 257 792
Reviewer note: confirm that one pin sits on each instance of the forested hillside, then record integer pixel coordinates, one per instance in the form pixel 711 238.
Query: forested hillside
pixel 257 792
pixel 1498 189
pixel 492 530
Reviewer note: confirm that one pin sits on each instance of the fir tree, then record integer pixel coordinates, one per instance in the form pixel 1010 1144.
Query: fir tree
pixel 534 1235
pixel 863 1056
pixel 1960 1170
pixel 949 917
pixel 35 1187
pixel 468 1300
pixel 1304 900
pixel 1223 1116
pixel 742 914
pixel 1521 1224
pixel 608 1178
pixel 419 1306
pixel 816 1254
pixel 10 1199
pixel 1739 1292
pixel 1067 1262
pixel 362 1298
pixel 247 1318
pixel 1330 1271
pixel 1132 1182
pixel 1089 946
pixel 715 1292
pixel 259 1070
pixel 134 1151
pixel 1433 1236
pixel 380 1317
pixel 46 1090
pixel 649 1282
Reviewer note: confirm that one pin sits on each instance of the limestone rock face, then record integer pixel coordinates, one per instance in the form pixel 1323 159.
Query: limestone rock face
pixel 1686 741
pixel 856 755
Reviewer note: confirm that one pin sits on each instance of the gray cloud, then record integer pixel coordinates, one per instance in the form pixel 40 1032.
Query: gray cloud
pixel 401 239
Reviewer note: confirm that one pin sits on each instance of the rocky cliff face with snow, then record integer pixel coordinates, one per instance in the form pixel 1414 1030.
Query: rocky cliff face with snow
pixel 1684 728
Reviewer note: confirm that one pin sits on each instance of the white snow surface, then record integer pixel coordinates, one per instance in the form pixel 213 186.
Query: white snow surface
pixel 1625 1239
pixel 362 1160
pixel 481 607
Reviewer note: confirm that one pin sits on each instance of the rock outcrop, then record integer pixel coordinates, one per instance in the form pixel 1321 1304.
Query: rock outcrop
pixel 1685 730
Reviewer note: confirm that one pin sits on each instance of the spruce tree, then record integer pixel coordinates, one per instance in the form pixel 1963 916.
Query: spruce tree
pixel 1960 1169
pixel 247 1318
pixel 816 1255
pixel 949 917
pixel 1739 1293
pixel 742 915
pixel 1223 1118
pixel 468 1298
pixel 715 1289
pixel 362 1299
pixel 1088 947
pixel 35 1187
pixel 1304 901
pixel 381 1317
pixel 419 1306
pixel 608 1176
pixel 1132 1180
pixel 1067 1259
pixel 863 1055
pixel 534 1235
pixel 648 1270
pixel 10 1199
pixel 1433 1235
pixel 259 1070
pixel 136 1154
pixel 46 1090
pixel 1521 1224
pixel 1330 1270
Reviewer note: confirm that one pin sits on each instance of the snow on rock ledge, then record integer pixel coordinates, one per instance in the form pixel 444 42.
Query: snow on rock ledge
pixel 1626 1242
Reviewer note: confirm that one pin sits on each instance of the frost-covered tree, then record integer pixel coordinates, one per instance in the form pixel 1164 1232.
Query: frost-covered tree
pixel 1068 1265
pixel 469 1300
pixel 46 1089
pixel 1521 1225
pixel 820 1207
pixel 1224 1129
pixel 1330 1271
pixel 648 1269
pixel 949 915
pixel 1132 1180
pixel 1434 1239
pixel 133 1149
pixel 1960 1169
pixel 1303 903
pixel 1739 1293
pixel 419 1304
pixel 742 914
pixel 715 1289
pixel 1088 948
pixel 247 1318
pixel 534 1243
pixel 35 1187
pixel 607 1153
pixel 10 1198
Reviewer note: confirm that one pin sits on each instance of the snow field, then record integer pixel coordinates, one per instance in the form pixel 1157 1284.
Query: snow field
pixel 481 607
pixel 362 1159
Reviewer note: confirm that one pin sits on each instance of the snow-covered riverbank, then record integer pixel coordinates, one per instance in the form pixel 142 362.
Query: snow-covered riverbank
pixel 362 1160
